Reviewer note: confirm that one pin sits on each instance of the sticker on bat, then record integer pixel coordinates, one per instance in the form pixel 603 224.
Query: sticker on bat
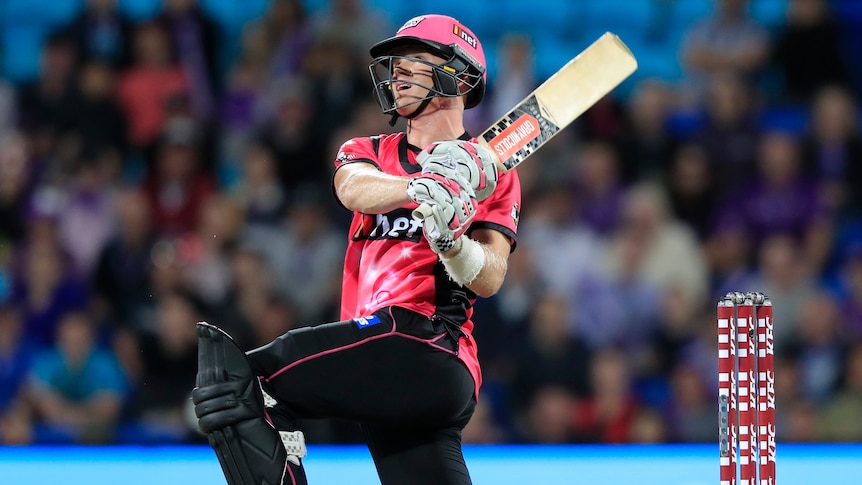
pixel 520 133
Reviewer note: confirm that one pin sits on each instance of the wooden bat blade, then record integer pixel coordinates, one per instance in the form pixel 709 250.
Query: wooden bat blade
pixel 566 95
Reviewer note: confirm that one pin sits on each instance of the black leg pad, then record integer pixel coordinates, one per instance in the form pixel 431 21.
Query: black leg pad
pixel 229 406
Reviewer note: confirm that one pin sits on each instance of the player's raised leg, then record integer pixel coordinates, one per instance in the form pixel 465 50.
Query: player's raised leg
pixel 229 404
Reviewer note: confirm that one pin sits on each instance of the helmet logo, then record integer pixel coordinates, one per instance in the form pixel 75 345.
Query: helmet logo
pixel 457 30
pixel 410 23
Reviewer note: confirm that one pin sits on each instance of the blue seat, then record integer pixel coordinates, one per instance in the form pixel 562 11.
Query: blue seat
pixel 615 15
pixel 232 15
pixel 560 18
pixel 50 13
pixel 139 9
pixel 21 63
pixel 771 13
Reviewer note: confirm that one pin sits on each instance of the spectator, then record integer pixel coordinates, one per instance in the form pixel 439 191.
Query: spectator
pixel 16 176
pixel 16 357
pixel 599 187
pixel 205 250
pixel 692 189
pixel 46 103
pixel 151 82
pixel 102 33
pixel 550 356
pixel 691 410
pixel 648 427
pixel 279 40
pixel 837 422
pixel 808 52
pixel 548 420
pixel 97 125
pixel 335 84
pixel 305 256
pixel 8 109
pixel 729 40
pixel 177 187
pixel 783 274
pixel 352 22
pixel 77 388
pixel 259 195
pixel 831 151
pixel 729 252
pixel 290 136
pixel 779 199
pixel 244 309
pixel 515 75
pixel 819 348
pixel 166 366
pixel 729 133
pixel 121 276
pixel 84 221
pixel 607 414
pixel 45 289
pixel 644 144
pixel 848 287
pixel 277 317
pixel 503 319
pixel 565 251
pixel 655 241
pixel 242 108
pixel 195 39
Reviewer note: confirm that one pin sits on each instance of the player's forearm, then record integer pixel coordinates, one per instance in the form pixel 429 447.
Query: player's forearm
pixel 370 191
pixel 490 278
pixel 494 262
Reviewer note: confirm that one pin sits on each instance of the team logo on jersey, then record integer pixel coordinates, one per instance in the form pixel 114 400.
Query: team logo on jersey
pixel 363 322
pixel 398 224
pixel 411 23
pixel 516 213
pixel 344 157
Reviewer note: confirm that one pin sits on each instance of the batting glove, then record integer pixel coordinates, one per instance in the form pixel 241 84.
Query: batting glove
pixel 446 208
pixel 467 163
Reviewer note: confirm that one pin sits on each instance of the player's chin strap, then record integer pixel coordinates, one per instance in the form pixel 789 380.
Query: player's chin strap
pixel 416 112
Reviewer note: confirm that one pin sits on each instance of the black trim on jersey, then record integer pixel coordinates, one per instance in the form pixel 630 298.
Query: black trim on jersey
pixel 513 238
pixel 348 162
pixel 375 144
pixel 406 164
pixel 451 301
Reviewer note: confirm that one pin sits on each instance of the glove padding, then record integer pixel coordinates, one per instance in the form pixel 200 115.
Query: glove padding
pixel 445 207
pixel 467 163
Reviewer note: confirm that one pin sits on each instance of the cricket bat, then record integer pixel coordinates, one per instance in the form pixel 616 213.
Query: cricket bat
pixel 561 99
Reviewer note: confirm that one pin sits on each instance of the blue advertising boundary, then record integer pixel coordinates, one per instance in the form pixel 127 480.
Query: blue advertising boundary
pixel 498 464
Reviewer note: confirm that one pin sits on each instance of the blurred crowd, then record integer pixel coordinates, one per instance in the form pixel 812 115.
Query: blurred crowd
pixel 153 175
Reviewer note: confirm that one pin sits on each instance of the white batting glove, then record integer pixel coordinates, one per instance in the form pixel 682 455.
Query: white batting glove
pixel 467 163
pixel 446 209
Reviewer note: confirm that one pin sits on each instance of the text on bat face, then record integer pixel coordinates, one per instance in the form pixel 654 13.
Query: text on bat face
pixel 524 130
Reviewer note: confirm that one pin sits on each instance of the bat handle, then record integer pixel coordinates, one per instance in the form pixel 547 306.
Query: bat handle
pixel 422 212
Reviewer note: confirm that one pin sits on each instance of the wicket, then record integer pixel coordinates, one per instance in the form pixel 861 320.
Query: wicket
pixel 746 389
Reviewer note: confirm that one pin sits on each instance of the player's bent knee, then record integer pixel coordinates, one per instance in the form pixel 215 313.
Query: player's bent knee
pixel 229 405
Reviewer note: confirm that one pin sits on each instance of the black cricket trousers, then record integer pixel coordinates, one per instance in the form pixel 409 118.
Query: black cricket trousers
pixel 396 373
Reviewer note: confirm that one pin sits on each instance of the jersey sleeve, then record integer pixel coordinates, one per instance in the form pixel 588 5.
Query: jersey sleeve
pixel 352 151
pixel 502 210
pixel 358 150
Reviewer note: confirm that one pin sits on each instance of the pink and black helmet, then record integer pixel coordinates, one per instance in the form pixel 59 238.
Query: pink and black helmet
pixel 462 73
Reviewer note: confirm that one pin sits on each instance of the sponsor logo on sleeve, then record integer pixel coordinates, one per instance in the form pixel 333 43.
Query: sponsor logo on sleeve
pixel 363 322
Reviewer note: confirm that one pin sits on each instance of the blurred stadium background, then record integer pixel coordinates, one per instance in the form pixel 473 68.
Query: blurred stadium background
pixel 167 161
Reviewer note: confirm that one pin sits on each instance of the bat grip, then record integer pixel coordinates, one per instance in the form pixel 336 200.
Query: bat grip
pixel 422 212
